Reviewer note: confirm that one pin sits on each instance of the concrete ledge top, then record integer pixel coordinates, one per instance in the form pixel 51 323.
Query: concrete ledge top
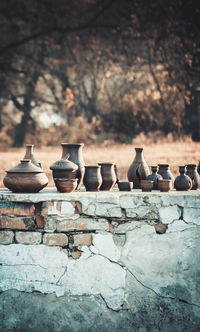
pixel 51 194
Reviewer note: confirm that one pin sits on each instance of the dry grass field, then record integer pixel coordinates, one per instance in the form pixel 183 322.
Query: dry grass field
pixel 174 153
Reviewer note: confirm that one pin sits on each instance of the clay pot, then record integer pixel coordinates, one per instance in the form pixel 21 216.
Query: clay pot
pixel 193 174
pixel 154 176
pixel 198 168
pixel 108 176
pixel 165 172
pixel 25 178
pixel 29 155
pixel 75 151
pixel 146 185
pixel 64 168
pixel 164 185
pixel 92 179
pixel 65 185
pixel 138 170
pixel 183 181
pixel 125 185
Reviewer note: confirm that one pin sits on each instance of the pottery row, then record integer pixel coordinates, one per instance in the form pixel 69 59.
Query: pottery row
pixel 70 172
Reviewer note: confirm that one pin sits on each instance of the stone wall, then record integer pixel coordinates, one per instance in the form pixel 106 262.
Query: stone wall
pixel 122 261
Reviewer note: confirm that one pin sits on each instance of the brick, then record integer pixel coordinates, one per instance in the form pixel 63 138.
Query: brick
pixel 6 237
pixel 17 209
pixel 49 208
pixel 17 223
pixel 40 221
pixel 83 239
pixel 60 240
pixel 71 225
pixel 28 237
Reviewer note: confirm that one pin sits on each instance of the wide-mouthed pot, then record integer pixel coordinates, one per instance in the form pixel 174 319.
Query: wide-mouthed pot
pixel 125 185
pixel 25 178
pixel 164 185
pixel 65 185
pixel 64 168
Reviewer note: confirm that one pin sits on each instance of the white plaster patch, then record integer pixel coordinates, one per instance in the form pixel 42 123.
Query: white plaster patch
pixel 52 209
pixel 67 209
pixel 108 210
pixel 104 245
pixel 178 226
pixel 169 213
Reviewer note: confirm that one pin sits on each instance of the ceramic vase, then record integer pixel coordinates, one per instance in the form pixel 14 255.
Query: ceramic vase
pixel 92 179
pixel 155 177
pixel 138 170
pixel 193 174
pixel 183 181
pixel 108 176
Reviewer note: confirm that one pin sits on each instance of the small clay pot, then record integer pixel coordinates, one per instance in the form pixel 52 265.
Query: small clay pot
pixel 165 172
pixel 108 176
pixel 92 179
pixel 154 176
pixel 194 176
pixel 25 178
pixel 183 181
pixel 64 168
pixel 65 185
pixel 164 185
pixel 146 185
pixel 125 185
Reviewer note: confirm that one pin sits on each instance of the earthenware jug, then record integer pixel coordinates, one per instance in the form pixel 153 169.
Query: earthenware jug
pixel 64 168
pixel 183 181
pixel 165 172
pixel 193 174
pixel 155 177
pixel 29 155
pixel 65 185
pixel 25 177
pixel 108 176
pixel 198 168
pixel 138 170
pixel 92 179
pixel 75 151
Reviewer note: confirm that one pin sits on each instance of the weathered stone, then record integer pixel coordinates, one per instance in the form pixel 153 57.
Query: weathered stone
pixel 17 209
pixel 191 215
pixel 6 237
pixel 126 202
pixel 169 213
pixel 105 246
pixel 55 239
pixel 82 239
pixel 17 222
pixel 50 223
pixel 82 223
pixel 76 254
pixel 28 237
pixel 178 226
pixel 108 210
pixel 160 228
pixel 105 197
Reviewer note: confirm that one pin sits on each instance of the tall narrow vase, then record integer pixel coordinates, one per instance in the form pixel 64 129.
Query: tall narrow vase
pixel 138 170
pixel 108 176
pixel 29 155
pixel 75 151
pixel 92 178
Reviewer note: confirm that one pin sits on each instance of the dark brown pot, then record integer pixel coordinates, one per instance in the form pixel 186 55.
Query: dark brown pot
pixel 29 155
pixel 138 170
pixel 198 168
pixel 165 172
pixel 164 185
pixel 154 176
pixel 108 176
pixel 183 181
pixel 146 185
pixel 64 168
pixel 194 176
pixel 92 179
pixel 125 185
pixel 25 178
pixel 65 185
pixel 75 151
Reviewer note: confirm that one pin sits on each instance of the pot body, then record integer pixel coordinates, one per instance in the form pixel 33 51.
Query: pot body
pixel 138 170
pixel 125 185
pixel 194 176
pixel 76 156
pixel 165 172
pixel 25 182
pixel 164 185
pixel 92 179
pixel 183 181
pixel 65 185
pixel 155 177
pixel 146 185
pixel 108 176
pixel 198 168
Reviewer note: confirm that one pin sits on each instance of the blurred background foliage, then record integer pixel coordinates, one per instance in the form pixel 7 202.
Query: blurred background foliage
pixel 98 70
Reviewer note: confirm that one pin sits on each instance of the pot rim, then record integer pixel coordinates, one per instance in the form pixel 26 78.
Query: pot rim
pixel 72 144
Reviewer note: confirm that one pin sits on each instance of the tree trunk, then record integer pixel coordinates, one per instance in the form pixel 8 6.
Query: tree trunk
pixel 196 116
pixel 20 129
